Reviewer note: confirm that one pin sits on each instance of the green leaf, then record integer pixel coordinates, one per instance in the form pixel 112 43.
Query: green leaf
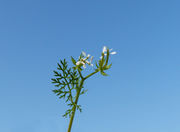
pixel 59 67
pixel 56 73
pixel 97 65
pixel 79 108
pixel 97 70
pixel 103 73
pixel 62 96
pixel 62 62
pixel 55 91
pixel 57 85
pixel 80 68
pixel 81 56
pixel 54 80
pixel 103 61
pixel 84 91
pixel 68 112
pixel 108 66
pixel 73 60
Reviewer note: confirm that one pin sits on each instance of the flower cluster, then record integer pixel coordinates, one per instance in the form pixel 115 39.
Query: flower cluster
pixel 83 61
pixel 83 58
pixel 104 51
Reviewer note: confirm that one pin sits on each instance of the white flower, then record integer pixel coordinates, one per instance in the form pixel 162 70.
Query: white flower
pixel 105 50
pixel 81 62
pixel 89 62
pixel 78 63
pixel 84 61
pixel 84 65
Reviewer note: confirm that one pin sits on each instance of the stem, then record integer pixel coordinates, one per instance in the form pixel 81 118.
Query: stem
pixel 69 90
pixel 74 107
pixel 90 74
pixel 107 58
pixel 77 97
pixel 80 74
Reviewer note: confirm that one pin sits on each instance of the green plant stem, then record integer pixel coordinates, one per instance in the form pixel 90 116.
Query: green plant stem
pixel 69 90
pixel 77 97
pixel 107 58
pixel 74 107
pixel 90 74
pixel 80 74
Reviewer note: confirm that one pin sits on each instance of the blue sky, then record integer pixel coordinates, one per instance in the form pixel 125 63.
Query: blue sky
pixel 142 91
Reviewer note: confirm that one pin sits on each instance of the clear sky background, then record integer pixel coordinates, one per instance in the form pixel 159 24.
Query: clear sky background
pixel 142 91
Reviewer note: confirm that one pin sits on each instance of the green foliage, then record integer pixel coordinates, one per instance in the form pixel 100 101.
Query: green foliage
pixel 67 80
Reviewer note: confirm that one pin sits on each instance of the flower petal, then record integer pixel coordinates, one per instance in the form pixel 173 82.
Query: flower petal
pixel 82 63
pixel 84 54
pixel 91 59
pixel 104 49
pixel 84 66
pixel 88 62
pixel 112 53
pixel 78 63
